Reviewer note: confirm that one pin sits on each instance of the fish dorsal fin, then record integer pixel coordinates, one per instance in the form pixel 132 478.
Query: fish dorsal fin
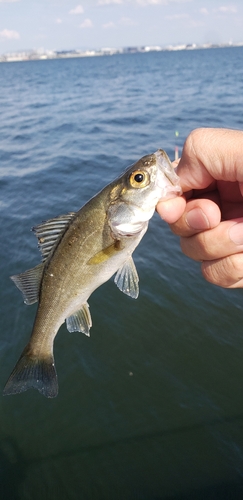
pixel 127 279
pixel 80 321
pixel 49 232
pixel 29 283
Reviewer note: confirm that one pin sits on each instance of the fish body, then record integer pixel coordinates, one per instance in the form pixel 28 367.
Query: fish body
pixel 80 252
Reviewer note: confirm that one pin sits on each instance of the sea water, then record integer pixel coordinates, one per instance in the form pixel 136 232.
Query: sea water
pixel 151 405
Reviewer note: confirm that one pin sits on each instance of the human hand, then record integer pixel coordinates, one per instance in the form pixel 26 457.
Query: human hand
pixel 209 217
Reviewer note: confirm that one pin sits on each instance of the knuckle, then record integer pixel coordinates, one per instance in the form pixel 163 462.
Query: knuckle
pixel 204 245
pixel 197 246
pixel 236 262
pixel 213 273
pixel 225 272
pixel 193 139
pixel 176 229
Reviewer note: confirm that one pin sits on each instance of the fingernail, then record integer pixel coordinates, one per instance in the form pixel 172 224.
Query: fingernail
pixel 196 219
pixel 236 233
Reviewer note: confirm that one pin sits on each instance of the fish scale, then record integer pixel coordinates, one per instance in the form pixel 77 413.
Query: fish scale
pixel 81 251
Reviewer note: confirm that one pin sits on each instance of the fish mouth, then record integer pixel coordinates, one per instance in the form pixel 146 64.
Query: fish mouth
pixel 171 192
pixel 168 181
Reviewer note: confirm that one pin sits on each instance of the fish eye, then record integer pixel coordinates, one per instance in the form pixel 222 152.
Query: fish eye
pixel 139 179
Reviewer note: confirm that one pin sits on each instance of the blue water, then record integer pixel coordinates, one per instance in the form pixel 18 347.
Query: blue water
pixel 151 405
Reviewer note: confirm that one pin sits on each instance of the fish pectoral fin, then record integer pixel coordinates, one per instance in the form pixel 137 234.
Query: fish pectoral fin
pixel 106 253
pixel 127 279
pixel 80 321
pixel 29 283
pixel 49 232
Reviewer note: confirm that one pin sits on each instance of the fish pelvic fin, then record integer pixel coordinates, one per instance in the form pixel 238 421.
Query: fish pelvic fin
pixel 33 372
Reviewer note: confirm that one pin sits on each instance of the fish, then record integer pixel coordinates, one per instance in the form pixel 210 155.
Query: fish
pixel 81 251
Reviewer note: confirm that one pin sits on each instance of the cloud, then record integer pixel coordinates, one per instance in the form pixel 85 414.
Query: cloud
pixel 160 2
pixel 8 1
pixel 141 2
pixel 58 21
pixel 108 26
pixel 151 2
pixel 204 11
pixel 227 9
pixel 177 16
pixel 9 34
pixel 87 24
pixel 196 24
pixel 126 21
pixel 109 2
pixel 77 10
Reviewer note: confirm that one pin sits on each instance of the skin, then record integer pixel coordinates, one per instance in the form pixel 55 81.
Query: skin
pixel 209 217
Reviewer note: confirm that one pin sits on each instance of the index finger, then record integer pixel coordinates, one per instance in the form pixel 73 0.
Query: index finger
pixel 211 154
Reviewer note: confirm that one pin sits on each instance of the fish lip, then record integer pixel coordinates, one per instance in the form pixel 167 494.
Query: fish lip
pixel 171 193
pixel 172 187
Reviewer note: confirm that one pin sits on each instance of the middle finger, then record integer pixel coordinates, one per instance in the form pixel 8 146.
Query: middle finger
pixel 221 241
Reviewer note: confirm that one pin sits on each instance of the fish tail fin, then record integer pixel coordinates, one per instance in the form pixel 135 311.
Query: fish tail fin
pixel 33 372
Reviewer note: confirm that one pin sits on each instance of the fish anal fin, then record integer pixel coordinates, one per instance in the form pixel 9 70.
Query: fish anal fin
pixel 29 282
pixel 33 372
pixel 127 279
pixel 106 253
pixel 50 232
pixel 80 321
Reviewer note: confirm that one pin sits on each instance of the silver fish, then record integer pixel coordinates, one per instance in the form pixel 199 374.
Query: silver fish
pixel 80 251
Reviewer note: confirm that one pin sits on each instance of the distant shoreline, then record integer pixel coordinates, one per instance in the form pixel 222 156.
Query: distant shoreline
pixel 38 55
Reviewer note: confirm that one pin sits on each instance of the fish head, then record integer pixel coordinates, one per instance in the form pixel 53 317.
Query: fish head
pixel 137 192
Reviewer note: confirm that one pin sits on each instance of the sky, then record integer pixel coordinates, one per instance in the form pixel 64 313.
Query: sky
pixel 94 24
